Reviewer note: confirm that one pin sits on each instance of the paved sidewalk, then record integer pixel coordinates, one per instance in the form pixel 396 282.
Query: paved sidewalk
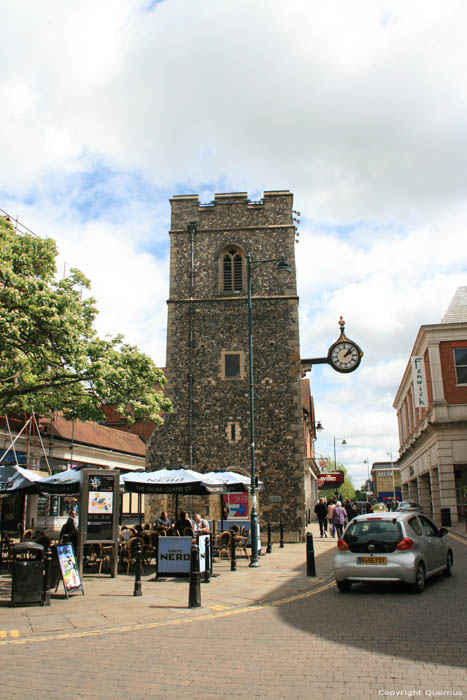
pixel 110 603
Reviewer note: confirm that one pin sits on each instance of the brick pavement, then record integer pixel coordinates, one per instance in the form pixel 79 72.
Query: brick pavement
pixel 320 644
pixel 109 603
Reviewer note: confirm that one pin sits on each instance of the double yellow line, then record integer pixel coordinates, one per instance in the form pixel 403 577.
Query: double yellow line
pixel 167 623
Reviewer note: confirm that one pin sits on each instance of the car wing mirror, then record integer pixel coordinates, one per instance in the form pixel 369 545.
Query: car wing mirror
pixel 442 532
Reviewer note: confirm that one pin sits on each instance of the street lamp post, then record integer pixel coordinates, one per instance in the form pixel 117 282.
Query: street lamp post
pixel 367 462
pixel 392 474
pixel 344 442
pixel 282 267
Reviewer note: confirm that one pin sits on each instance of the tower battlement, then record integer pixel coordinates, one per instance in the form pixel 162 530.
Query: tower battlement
pixel 234 209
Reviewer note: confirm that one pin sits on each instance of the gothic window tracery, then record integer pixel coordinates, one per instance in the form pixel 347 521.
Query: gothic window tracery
pixel 233 270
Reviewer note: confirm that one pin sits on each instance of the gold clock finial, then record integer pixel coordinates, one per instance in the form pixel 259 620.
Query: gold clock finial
pixel 341 322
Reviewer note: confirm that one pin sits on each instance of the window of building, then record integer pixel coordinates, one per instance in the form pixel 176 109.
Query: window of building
pixel 460 357
pixel 232 270
pixel 233 432
pixel 232 365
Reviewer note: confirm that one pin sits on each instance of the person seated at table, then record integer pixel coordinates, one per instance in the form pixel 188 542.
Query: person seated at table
pixel 201 526
pixel 183 522
pixel 163 521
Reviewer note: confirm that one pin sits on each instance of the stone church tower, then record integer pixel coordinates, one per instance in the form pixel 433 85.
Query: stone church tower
pixel 207 349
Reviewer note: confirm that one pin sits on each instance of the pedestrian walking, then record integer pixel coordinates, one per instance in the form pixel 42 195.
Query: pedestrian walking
pixel 350 509
pixel 338 518
pixel 321 511
pixel 332 527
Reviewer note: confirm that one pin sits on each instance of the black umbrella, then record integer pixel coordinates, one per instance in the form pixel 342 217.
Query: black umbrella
pixel 173 481
pixel 14 478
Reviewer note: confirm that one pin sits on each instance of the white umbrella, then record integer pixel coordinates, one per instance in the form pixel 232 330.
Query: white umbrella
pixel 233 481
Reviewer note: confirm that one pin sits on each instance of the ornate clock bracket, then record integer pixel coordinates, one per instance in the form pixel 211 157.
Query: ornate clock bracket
pixel 351 352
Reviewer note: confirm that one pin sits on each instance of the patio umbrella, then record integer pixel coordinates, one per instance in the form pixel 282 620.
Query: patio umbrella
pixel 233 481
pixel 173 481
pixel 65 483
pixel 14 478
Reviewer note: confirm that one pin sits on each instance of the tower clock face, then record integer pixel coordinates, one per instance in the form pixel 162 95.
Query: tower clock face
pixel 345 356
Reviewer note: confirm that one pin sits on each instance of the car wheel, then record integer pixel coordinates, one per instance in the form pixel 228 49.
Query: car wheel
pixel 419 584
pixel 344 586
pixel 448 570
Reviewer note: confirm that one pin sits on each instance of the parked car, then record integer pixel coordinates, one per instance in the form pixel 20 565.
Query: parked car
pixel 405 547
pixel 364 507
pixel 409 505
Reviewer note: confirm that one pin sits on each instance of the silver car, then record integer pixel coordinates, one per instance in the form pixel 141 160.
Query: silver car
pixel 404 547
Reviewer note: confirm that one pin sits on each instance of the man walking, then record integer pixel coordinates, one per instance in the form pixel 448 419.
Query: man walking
pixel 321 511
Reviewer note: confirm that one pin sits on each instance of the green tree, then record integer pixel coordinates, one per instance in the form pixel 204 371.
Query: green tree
pixel 51 357
pixel 345 490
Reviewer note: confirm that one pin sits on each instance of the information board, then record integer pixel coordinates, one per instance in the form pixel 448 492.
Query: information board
pixel 100 507
pixel 69 568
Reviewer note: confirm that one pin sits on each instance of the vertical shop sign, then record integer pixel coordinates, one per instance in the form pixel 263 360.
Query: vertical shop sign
pixel 419 382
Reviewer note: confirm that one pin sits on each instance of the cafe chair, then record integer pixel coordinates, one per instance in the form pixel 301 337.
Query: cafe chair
pixel 221 545
pixel 128 552
pixel 102 553
pixel 241 542
pixel 27 535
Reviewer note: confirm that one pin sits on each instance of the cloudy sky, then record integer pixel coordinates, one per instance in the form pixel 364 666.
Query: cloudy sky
pixel 359 107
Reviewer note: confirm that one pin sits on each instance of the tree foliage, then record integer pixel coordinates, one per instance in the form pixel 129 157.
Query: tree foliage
pixel 51 357
pixel 345 490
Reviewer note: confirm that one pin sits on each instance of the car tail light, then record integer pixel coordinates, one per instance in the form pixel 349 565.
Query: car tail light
pixel 405 544
pixel 342 545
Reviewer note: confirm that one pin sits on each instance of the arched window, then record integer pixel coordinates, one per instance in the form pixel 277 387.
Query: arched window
pixel 232 270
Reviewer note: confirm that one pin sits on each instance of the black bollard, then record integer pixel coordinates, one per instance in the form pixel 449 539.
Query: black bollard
pixel 207 561
pixel 137 592
pixel 194 595
pixel 281 541
pixel 310 555
pixel 233 558
pixel 47 575
pixel 269 547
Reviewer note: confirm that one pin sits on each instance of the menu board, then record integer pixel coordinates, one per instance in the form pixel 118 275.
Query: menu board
pixel 69 568
pixel 100 507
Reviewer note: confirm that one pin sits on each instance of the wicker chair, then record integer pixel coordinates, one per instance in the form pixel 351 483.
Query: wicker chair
pixel 221 545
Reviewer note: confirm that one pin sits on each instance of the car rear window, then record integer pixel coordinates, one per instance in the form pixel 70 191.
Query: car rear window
pixel 375 530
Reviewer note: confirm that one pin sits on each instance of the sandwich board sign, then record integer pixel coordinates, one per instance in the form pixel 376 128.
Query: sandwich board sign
pixel 68 568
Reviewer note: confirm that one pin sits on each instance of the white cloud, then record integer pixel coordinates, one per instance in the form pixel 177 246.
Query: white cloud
pixel 359 108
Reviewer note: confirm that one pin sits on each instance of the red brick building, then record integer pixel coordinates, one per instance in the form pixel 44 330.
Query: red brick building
pixel 431 405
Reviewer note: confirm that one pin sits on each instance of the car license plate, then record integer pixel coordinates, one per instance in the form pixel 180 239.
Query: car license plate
pixel 372 560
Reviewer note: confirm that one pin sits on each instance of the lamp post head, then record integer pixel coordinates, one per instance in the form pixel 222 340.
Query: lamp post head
pixel 283 267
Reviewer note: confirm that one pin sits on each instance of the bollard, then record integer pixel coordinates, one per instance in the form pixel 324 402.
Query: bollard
pixel 47 575
pixel 310 555
pixel 207 561
pixel 194 595
pixel 137 592
pixel 269 547
pixel 281 525
pixel 233 558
